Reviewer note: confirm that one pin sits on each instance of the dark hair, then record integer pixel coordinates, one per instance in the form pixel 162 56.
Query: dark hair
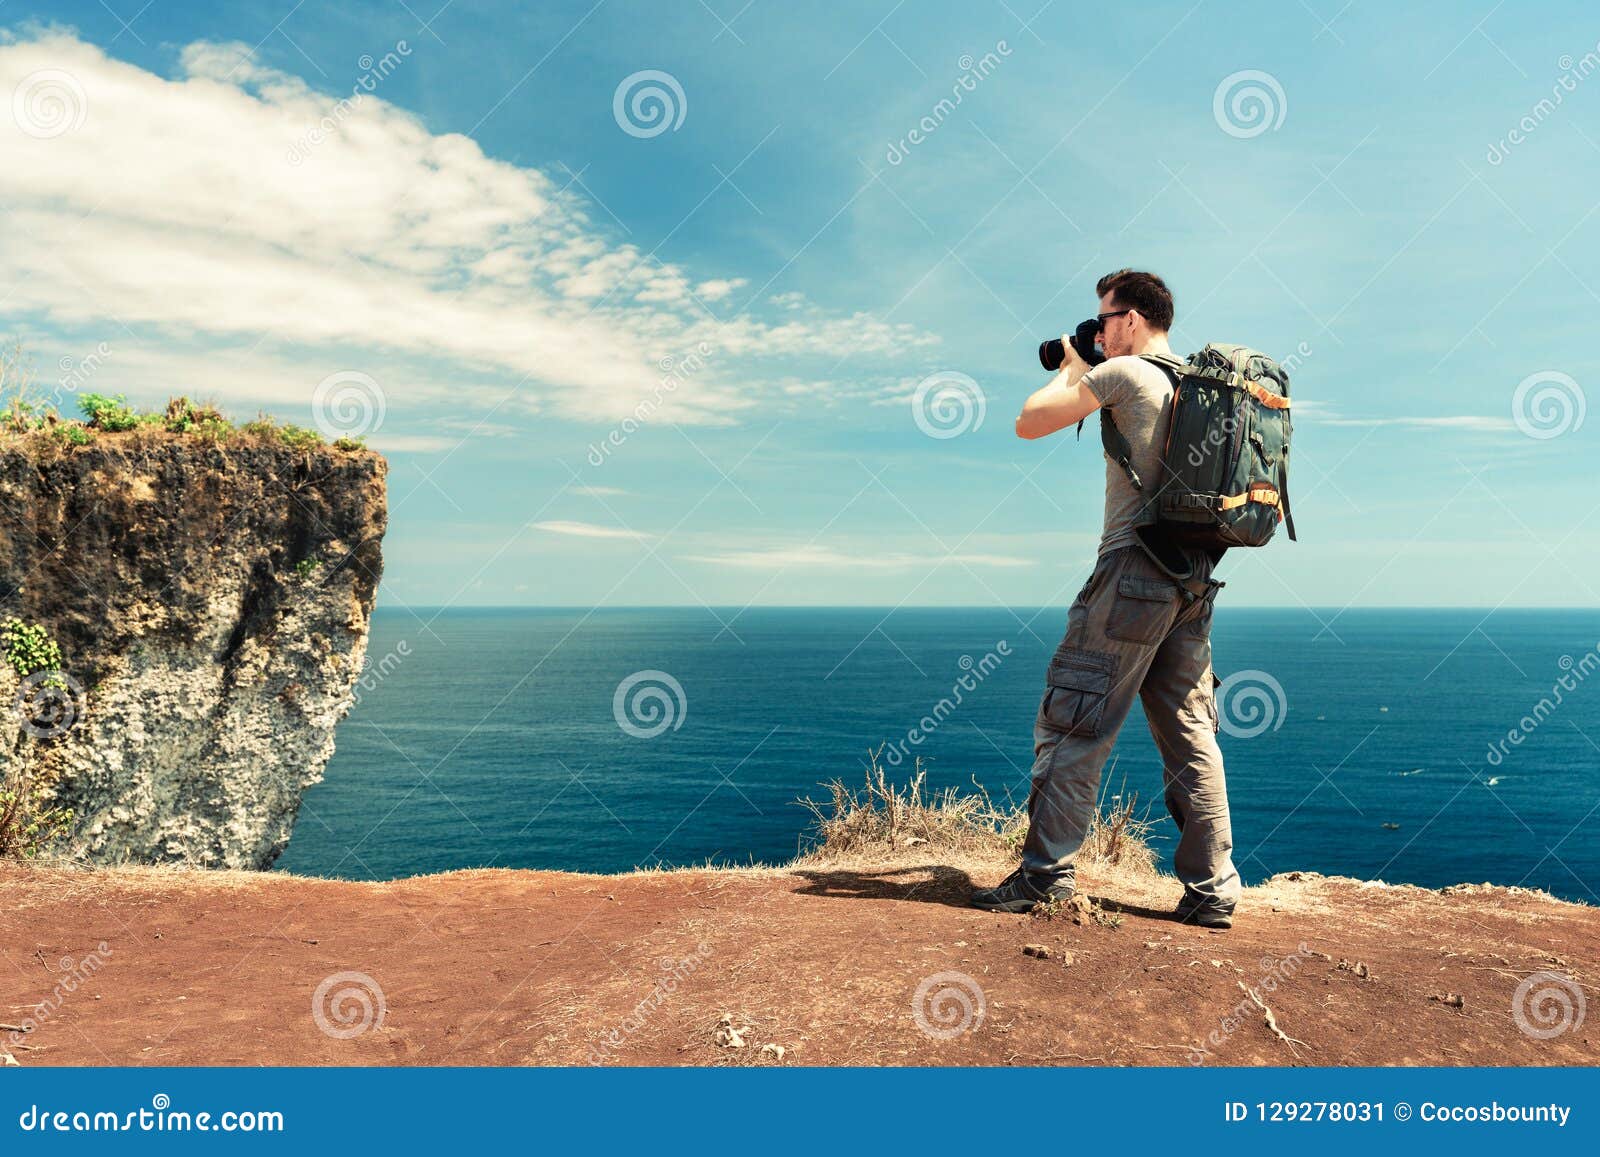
pixel 1145 292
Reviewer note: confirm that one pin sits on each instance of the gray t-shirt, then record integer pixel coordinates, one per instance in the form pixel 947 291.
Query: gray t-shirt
pixel 1139 396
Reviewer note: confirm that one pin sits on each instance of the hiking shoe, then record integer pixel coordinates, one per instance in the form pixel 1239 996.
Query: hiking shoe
pixel 1016 893
pixel 1203 915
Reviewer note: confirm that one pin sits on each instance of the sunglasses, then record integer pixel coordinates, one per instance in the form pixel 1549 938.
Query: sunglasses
pixel 1101 317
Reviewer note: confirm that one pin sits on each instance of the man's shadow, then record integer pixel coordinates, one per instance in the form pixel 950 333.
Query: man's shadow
pixel 1134 909
pixel 941 884
pixel 933 884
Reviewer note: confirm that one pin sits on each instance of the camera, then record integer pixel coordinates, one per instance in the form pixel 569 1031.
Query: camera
pixel 1052 353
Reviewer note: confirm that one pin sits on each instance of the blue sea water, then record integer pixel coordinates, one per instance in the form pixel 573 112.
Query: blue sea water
pixel 491 736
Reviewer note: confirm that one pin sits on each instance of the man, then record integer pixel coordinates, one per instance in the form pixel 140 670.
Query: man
pixel 1140 625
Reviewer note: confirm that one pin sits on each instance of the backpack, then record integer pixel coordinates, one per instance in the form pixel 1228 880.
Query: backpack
pixel 1225 463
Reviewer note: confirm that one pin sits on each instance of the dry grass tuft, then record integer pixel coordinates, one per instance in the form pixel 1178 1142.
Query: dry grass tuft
pixel 883 818
pixel 1119 834
pixel 885 821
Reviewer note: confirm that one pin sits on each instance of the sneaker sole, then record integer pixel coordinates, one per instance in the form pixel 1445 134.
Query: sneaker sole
pixel 1020 907
pixel 1015 907
pixel 1205 921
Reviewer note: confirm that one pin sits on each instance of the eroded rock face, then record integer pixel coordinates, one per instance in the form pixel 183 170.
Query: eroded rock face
pixel 212 604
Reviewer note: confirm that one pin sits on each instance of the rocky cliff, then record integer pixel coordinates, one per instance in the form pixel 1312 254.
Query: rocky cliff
pixel 210 600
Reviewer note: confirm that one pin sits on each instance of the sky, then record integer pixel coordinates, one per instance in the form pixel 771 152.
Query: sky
pixel 733 302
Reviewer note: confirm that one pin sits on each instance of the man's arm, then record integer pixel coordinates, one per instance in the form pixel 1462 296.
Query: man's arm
pixel 1064 402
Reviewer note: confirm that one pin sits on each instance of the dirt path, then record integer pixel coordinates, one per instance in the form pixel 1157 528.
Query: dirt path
pixel 157 967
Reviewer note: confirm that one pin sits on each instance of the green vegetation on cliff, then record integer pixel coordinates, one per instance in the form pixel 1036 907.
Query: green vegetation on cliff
pixel 30 818
pixel 24 412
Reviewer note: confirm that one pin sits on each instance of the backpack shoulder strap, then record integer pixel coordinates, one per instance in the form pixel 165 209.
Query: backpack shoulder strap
pixel 1113 441
pixel 1175 366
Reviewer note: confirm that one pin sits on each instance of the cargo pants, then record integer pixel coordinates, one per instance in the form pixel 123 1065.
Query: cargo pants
pixel 1131 631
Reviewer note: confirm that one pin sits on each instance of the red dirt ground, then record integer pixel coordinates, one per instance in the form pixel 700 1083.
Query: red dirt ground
pixel 504 967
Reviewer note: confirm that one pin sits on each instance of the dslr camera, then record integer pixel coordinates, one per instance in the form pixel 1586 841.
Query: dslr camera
pixel 1053 352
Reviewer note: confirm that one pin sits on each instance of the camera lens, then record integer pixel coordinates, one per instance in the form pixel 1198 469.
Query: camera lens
pixel 1052 353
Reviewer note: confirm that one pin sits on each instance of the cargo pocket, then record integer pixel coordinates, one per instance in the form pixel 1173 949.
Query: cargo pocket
pixel 1143 610
pixel 1075 691
pixel 1200 624
pixel 1212 682
pixel 1084 592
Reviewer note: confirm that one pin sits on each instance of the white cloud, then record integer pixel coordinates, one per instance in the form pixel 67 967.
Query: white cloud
pixel 201 211
pixel 586 530
pixel 717 288
pixel 599 491
pixel 784 557
pixel 1324 415
pixel 412 443
pixel 240 380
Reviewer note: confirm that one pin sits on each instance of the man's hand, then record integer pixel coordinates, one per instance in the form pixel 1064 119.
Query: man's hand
pixel 1064 402
pixel 1072 355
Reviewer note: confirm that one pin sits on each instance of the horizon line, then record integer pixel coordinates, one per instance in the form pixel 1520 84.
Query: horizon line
pixel 397 606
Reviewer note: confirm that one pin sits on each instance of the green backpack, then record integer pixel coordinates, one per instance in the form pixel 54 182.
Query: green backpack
pixel 1225 465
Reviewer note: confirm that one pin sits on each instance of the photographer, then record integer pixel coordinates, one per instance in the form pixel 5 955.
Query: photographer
pixel 1140 625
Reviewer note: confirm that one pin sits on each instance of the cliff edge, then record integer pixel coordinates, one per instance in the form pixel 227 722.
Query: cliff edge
pixel 821 963
pixel 210 600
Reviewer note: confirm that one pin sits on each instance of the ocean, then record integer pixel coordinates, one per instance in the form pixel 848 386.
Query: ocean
pixel 1421 746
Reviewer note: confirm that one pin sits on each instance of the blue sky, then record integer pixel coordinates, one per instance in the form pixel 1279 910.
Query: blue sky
pixel 482 243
